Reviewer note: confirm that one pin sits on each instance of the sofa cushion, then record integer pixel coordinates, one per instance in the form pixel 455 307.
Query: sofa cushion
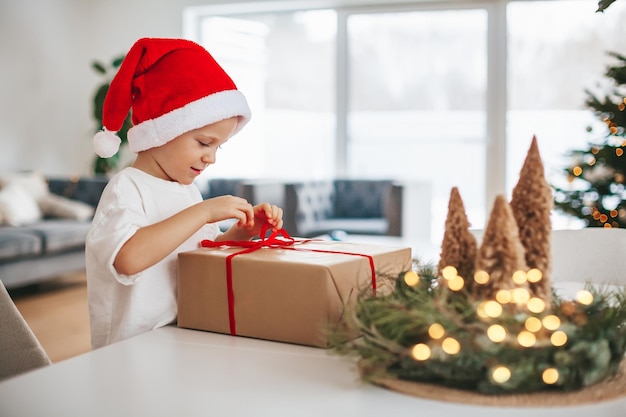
pixel 360 198
pixel 314 204
pixel 223 186
pixel 53 205
pixel 33 182
pixel 18 207
pixel 15 243
pixel 60 235
pixel 87 190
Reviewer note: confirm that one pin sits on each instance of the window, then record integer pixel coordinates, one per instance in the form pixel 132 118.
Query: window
pixel 284 64
pixel 417 93
pixel 449 93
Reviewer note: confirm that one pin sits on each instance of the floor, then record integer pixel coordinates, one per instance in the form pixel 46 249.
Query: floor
pixel 57 313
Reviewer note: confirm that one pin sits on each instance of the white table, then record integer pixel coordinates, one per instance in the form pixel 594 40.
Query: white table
pixel 176 372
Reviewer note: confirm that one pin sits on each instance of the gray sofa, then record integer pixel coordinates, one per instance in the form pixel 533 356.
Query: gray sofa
pixel 354 206
pixel 317 207
pixel 51 246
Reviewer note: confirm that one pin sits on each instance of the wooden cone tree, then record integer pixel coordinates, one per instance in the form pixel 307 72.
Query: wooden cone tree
pixel 459 246
pixel 501 253
pixel 531 203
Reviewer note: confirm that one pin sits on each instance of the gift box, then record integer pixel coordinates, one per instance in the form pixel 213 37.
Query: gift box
pixel 297 294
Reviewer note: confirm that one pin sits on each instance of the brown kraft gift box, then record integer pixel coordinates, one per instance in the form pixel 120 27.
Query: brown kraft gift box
pixel 293 296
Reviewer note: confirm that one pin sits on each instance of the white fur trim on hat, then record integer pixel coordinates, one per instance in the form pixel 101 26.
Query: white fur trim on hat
pixel 205 111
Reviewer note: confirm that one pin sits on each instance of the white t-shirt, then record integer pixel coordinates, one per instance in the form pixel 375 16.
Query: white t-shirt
pixel 122 306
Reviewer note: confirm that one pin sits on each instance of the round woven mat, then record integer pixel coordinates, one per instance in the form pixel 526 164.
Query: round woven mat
pixel 608 389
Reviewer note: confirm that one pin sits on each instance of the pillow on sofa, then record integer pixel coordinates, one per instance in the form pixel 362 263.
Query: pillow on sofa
pixel 33 182
pixel 57 206
pixel 17 206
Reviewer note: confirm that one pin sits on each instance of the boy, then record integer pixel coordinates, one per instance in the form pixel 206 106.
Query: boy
pixel 184 107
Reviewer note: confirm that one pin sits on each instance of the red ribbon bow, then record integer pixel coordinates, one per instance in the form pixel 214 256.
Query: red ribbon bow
pixel 277 239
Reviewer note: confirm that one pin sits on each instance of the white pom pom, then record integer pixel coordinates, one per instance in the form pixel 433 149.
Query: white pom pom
pixel 106 143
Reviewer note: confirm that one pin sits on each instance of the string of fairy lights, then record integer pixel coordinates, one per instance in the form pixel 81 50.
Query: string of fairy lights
pixel 537 327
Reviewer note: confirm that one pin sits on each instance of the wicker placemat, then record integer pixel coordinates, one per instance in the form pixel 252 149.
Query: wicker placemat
pixel 608 389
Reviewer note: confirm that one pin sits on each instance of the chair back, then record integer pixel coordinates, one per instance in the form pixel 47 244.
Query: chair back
pixel 20 351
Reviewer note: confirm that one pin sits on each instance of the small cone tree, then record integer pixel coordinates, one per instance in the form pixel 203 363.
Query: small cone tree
pixel 501 253
pixel 531 204
pixel 459 246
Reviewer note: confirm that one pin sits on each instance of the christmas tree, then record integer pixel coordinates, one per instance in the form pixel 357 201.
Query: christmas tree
pixel 596 177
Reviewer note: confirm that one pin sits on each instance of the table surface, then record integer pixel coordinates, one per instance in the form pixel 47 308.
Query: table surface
pixel 180 372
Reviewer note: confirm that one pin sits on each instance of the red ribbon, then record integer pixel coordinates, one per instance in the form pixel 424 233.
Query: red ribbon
pixel 277 239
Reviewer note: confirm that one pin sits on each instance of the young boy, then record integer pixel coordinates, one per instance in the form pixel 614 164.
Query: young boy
pixel 184 107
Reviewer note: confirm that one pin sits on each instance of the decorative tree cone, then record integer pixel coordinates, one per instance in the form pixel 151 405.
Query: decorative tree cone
pixel 531 204
pixel 605 390
pixel 459 246
pixel 501 253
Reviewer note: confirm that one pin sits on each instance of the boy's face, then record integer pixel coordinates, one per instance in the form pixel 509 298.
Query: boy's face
pixel 183 158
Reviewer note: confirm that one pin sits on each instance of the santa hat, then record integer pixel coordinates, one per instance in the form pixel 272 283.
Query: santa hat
pixel 172 86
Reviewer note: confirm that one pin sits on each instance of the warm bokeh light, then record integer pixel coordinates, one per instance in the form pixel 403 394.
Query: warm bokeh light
pixel 533 324
pixel 420 352
pixel 436 331
pixel 526 339
pixel 496 333
pixel 519 277
pixel 503 296
pixel 449 272
pixel 451 346
pixel 551 322
pixel 534 275
pixel 584 297
pixel 501 374
pixel 481 277
pixel 550 376
pixel 411 278
pixel 536 305
pixel 480 310
pixel 492 309
pixel 456 283
pixel 520 295
pixel 558 338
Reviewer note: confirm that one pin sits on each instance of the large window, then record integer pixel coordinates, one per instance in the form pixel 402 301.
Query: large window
pixel 447 93
pixel 417 94
pixel 284 64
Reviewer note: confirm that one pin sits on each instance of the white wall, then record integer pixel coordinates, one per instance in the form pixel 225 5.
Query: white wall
pixel 46 80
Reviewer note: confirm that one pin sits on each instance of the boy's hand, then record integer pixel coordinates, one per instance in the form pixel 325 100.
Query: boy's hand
pixel 260 214
pixel 230 207
pixel 267 213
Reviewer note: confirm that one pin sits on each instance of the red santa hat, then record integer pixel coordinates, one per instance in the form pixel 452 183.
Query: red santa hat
pixel 172 86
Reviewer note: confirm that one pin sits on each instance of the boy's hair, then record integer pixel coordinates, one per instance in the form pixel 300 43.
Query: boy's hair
pixel 171 86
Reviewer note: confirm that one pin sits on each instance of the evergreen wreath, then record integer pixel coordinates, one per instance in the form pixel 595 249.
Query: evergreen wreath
pixel 424 331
